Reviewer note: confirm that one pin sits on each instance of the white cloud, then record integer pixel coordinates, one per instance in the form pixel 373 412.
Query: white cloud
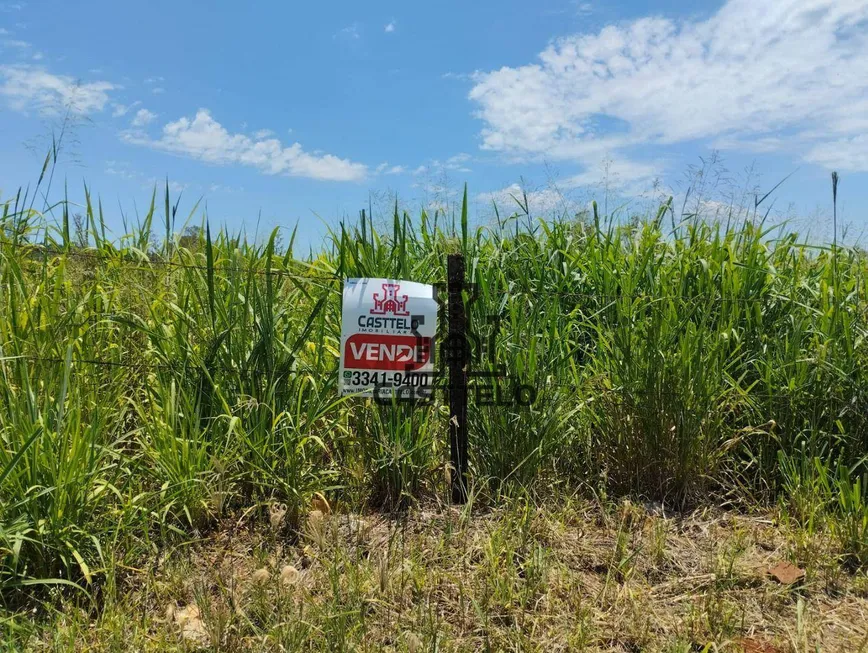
pixel 119 110
pixel 156 182
pixel 261 134
pixel 27 87
pixel 540 202
pixel 623 174
pixel 390 27
pixel 385 169
pixel 16 43
pixel 154 80
pixel 159 90
pixel 143 117
pixel 456 163
pixel 205 139
pixel 852 150
pixel 796 70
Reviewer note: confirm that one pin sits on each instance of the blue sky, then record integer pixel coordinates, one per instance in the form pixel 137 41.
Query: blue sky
pixel 304 111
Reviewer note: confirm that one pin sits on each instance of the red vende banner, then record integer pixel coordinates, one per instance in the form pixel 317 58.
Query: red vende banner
pixel 364 351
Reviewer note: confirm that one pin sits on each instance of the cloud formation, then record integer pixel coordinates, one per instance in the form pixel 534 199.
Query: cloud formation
pixel 143 117
pixel 539 202
pixel 205 139
pixel 385 169
pixel 29 87
pixel 456 163
pixel 119 110
pixel 785 76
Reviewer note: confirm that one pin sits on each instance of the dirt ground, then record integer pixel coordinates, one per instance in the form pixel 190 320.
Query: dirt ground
pixel 522 578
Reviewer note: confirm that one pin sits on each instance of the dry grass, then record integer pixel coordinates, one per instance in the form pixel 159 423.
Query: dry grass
pixel 551 578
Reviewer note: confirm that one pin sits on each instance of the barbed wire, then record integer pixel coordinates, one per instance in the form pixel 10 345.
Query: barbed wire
pixel 440 381
pixel 772 296
pixel 789 395
pixel 652 297
pixel 147 264
pixel 84 361
pixel 142 365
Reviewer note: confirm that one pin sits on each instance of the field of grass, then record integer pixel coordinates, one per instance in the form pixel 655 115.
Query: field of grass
pixel 170 427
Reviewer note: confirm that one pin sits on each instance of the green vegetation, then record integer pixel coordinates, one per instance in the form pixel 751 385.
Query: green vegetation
pixel 156 388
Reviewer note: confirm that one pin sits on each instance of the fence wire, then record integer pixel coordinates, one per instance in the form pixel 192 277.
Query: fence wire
pixel 149 264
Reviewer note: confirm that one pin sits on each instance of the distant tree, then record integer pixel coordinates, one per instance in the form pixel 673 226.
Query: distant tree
pixel 583 216
pixel 193 238
pixel 80 236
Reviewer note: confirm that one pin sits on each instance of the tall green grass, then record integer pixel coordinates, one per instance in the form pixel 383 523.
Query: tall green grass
pixel 153 386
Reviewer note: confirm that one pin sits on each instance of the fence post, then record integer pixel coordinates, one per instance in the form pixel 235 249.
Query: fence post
pixel 458 363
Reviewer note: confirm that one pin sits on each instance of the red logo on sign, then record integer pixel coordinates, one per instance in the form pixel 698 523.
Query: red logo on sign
pixel 378 352
pixel 390 302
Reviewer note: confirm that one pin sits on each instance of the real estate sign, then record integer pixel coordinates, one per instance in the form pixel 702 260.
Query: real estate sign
pixel 387 338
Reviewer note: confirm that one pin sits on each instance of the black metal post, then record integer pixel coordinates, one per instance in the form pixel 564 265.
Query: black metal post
pixel 459 360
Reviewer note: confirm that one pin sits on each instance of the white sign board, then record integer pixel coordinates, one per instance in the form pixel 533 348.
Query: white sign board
pixel 387 338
